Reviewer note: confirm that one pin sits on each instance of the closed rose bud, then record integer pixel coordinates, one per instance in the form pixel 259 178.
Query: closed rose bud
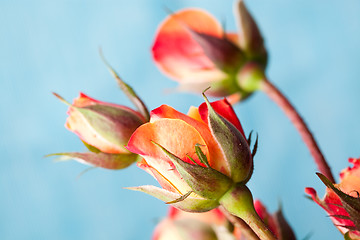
pixel 341 201
pixel 105 129
pixel 191 47
pixel 105 126
pixel 188 157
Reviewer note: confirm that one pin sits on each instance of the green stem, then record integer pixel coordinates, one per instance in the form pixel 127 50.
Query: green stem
pixel 239 202
pixel 245 230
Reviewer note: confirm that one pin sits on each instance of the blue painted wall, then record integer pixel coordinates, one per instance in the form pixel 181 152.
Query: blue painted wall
pixel 53 45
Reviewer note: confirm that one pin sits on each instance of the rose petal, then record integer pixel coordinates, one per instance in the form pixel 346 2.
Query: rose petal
pixel 331 203
pixel 84 100
pixel 215 157
pixel 77 123
pixel 194 113
pixel 177 137
pixel 176 52
pixel 164 183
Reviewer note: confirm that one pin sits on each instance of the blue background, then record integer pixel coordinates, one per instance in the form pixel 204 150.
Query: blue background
pixel 53 46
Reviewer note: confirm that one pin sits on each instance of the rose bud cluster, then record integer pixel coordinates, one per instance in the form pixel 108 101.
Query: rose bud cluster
pixel 342 201
pixel 191 47
pixel 196 158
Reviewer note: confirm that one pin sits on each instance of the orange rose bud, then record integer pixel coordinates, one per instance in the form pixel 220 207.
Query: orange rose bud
pixel 185 155
pixel 105 126
pixel 105 129
pixel 191 47
pixel 342 201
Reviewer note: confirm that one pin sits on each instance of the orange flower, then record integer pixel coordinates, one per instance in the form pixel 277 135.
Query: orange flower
pixel 196 158
pixel 192 48
pixel 345 219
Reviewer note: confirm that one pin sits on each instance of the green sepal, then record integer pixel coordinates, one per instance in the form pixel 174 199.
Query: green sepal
pixel 204 181
pixel 103 160
pixel 286 232
pixel 221 51
pixel 201 155
pixel 347 236
pixel 250 137
pixel 350 204
pixel 189 204
pixel 250 38
pixel 129 91
pixel 254 151
pixel 233 145
pixel 182 198
pixel 90 147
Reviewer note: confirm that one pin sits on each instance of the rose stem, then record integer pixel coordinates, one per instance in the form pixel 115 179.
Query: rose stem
pixel 246 231
pixel 300 125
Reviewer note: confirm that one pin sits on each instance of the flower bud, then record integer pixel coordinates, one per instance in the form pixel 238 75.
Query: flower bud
pixel 191 47
pixel 105 129
pixel 105 126
pixel 190 156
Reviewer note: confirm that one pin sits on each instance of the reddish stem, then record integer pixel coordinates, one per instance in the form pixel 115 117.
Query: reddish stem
pixel 300 125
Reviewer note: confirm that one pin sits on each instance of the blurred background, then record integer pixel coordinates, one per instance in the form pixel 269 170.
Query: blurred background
pixel 53 45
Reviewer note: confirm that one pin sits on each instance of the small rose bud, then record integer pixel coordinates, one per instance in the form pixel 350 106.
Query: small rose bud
pixel 191 47
pixel 106 126
pixel 105 129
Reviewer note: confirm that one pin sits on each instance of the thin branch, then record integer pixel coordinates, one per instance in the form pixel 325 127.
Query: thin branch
pixel 300 125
